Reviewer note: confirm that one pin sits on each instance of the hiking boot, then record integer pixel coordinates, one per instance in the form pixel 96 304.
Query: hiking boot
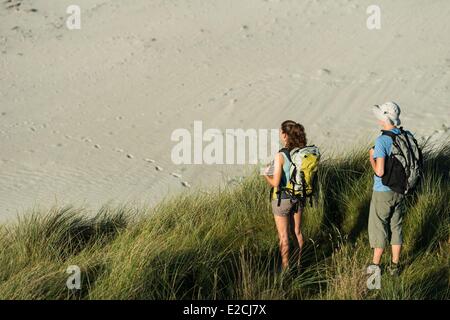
pixel 394 269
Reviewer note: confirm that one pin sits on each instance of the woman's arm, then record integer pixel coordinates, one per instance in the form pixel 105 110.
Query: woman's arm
pixel 274 180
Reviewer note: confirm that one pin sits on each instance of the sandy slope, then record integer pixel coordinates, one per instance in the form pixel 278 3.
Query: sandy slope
pixel 74 104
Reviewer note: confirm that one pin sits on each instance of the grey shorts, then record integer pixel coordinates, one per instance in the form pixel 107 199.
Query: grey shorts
pixel 286 207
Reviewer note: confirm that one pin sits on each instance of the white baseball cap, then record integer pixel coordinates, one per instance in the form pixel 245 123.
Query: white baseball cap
pixel 389 111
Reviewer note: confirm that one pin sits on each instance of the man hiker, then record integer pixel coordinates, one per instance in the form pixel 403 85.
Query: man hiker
pixel 391 182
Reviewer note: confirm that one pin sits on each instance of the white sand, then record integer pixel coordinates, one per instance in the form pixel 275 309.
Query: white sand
pixel 86 115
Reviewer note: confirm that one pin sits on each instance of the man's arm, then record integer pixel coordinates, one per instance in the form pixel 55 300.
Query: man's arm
pixel 377 164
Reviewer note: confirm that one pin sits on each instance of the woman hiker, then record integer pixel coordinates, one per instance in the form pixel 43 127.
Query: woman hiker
pixel 287 213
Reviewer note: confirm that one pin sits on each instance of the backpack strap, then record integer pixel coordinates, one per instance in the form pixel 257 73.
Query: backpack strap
pixel 278 193
pixel 390 133
pixel 393 137
pixel 279 198
pixel 287 153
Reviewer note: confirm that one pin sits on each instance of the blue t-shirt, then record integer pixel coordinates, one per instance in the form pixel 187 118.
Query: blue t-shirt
pixel 383 146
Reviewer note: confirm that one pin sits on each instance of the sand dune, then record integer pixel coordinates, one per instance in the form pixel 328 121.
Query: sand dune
pixel 86 115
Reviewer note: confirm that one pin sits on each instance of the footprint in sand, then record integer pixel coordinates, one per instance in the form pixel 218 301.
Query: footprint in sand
pixel 57 145
pixel 323 72
pixel 227 92
pixel 12 4
pixel 185 184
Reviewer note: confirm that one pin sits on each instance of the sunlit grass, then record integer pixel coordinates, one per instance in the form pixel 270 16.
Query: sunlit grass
pixel 223 245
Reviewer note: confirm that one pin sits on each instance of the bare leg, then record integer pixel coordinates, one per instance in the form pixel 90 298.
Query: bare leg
pixel 396 248
pixel 377 252
pixel 282 224
pixel 296 224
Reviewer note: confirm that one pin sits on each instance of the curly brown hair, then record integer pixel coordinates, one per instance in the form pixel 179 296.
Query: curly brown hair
pixel 296 136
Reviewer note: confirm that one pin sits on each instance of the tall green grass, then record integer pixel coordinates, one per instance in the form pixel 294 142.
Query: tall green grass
pixel 223 244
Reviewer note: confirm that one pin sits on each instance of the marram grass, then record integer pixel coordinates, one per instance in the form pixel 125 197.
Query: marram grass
pixel 223 245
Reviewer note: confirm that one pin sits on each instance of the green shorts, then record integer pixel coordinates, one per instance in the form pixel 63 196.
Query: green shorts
pixel 385 219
